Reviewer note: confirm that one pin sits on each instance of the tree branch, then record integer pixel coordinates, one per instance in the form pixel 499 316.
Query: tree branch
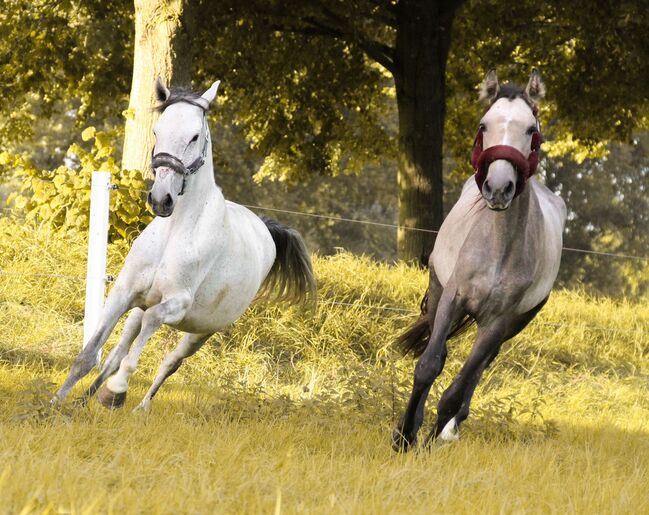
pixel 380 52
pixel 332 25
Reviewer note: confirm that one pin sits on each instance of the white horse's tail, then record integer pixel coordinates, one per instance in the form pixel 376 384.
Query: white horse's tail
pixel 291 278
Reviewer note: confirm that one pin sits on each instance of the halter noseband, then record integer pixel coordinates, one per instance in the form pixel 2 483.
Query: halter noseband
pixel 170 161
pixel 525 166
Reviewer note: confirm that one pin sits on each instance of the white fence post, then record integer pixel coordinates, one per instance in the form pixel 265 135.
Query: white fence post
pixel 97 248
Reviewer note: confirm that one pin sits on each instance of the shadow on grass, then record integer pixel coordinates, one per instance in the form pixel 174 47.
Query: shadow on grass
pixel 34 358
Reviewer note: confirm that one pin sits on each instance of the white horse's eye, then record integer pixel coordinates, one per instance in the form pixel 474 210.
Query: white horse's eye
pixel 195 138
pixel 532 130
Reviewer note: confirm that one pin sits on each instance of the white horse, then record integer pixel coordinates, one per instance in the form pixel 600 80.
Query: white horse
pixel 495 259
pixel 197 266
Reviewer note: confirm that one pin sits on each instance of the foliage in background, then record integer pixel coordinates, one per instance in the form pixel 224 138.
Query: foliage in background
pixel 60 198
pixel 62 56
pixel 608 212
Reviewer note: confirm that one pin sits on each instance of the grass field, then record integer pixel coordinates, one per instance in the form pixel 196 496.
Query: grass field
pixel 292 411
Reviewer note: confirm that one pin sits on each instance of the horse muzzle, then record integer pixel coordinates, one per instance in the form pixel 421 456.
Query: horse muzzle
pixel 161 207
pixel 499 188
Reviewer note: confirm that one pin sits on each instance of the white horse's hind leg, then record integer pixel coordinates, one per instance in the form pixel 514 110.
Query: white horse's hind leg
pixel 188 346
pixel 172 311
pixel 117 304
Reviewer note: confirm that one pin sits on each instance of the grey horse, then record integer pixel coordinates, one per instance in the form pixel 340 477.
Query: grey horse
pixel 495 259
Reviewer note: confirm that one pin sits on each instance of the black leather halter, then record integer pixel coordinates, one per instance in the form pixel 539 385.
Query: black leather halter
pixel 168 160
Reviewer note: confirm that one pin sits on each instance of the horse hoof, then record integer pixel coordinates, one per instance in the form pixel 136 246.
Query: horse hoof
pixel 400 443
pixel 110 399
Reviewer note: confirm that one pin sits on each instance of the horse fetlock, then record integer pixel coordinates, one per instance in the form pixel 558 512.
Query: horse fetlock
pixel 109 399
pixel 403 441
pixel 143 407
pixel 450 432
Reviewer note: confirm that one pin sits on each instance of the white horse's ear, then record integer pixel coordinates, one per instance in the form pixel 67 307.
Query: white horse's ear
pixel 535 89
pixel 162 93
pixel 489 87
pixel 210 94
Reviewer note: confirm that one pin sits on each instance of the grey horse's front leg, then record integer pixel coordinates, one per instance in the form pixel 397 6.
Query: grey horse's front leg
pixel 187 347
pixel 171 311
pixel 450 430
pixel 117 304
pixel 428 367
pixel 484 350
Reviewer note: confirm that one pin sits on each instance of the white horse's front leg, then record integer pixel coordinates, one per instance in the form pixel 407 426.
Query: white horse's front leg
pixel 171 311
pixel 117 303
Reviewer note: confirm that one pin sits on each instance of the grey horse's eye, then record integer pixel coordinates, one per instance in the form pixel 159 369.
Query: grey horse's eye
pixel 195 138
pixel 532 129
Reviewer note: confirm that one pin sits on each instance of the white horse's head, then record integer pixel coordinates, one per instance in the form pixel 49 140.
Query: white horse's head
pixel 506 149
pixel 181 144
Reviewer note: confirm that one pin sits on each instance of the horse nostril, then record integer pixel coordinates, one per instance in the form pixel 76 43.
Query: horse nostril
pixel 168 201
pixel 486 187
pixel 509 188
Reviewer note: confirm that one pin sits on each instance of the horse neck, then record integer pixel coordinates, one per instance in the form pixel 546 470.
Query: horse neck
pixel 510 226
pixel 199 189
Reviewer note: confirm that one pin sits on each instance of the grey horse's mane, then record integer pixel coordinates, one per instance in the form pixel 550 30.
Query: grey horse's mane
pixel 180 94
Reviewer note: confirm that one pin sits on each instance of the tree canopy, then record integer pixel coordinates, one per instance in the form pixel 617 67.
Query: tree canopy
pixel 319 88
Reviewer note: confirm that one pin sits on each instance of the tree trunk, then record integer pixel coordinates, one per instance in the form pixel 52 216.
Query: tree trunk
pixel 421 51
pixel 162 49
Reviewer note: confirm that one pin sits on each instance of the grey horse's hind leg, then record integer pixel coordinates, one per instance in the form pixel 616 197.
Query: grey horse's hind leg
pixel 448 427
pixel 117 304
pixel 428 367
pixel 129 333
pixel 188 346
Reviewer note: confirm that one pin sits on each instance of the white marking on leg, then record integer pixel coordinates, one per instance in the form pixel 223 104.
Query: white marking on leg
pixel 118 383
pixel 451 432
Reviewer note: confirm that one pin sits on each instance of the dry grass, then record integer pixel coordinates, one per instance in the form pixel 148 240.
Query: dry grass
pixel 292 412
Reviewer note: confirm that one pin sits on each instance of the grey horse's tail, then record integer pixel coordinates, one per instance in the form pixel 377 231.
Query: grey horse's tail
pixel 415 340
pixel 291 278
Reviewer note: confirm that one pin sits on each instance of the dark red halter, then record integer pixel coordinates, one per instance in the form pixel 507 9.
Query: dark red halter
pixel 525 166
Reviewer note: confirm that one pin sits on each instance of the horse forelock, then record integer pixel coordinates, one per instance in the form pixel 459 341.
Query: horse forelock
pixel 512 92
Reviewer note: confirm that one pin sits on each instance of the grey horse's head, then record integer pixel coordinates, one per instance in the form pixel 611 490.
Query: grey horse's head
pixel 181 142
pixel 511 127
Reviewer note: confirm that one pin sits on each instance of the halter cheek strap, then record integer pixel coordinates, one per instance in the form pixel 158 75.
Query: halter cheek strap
pixel 171 161
pixel 525 166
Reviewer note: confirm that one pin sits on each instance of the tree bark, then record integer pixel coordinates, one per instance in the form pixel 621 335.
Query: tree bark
pixel 162 49
pixel 421 51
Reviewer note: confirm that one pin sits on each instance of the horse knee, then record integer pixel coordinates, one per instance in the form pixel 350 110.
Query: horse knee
pixel 84 362
pixel 427 369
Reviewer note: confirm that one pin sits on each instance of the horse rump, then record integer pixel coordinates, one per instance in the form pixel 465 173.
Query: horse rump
pixel 291 277
pixel 415 339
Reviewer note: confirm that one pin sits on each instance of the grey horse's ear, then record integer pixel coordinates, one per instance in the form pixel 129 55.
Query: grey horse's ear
pixel 162 93
pixel 210 94
pixel 489 87
pixel 535 89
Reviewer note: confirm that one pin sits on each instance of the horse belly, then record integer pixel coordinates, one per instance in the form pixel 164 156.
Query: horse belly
pixel 219 305
pixel 233 280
